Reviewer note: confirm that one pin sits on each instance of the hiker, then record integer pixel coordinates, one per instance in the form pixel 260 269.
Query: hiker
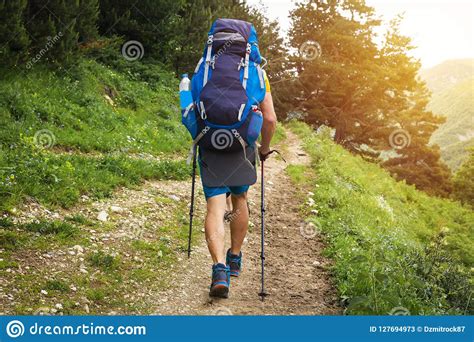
pixel 231 262
pixel 231 105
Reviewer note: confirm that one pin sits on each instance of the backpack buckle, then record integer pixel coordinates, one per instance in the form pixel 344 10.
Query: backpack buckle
pixel 236 133
pixel 210 39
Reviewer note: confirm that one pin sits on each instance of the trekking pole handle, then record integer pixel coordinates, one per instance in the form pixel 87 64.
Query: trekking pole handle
pixel 264 157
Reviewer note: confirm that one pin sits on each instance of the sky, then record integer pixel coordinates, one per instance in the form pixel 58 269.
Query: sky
pixel 441 29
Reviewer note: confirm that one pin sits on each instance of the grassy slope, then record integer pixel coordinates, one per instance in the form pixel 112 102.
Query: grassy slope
pixel 142 118
pixel 392 245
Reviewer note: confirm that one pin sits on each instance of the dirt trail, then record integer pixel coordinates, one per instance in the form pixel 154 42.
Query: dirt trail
pixel 296 272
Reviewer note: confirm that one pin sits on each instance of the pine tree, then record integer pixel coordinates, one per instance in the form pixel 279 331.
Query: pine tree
pixel 87 20
pixel 13 35
pixel 464 181
pixel 405 110
pixel 151 22
pixel 336 88
pixel 364 91
pixel 52 26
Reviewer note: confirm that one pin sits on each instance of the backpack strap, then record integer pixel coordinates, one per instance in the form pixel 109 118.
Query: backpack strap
pixel 241 110
pixel 203 111
pixel 198 65
pixel 260 76
pixel 208 59
pixel 192 150
pixel 188 108
pixel 243 144
pixel 246 65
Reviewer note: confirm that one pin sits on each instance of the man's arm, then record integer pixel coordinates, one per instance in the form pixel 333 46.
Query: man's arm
pixel 269 123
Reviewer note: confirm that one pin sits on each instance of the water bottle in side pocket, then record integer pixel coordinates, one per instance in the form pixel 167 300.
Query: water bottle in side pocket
pixel 185 96
pixel 188 115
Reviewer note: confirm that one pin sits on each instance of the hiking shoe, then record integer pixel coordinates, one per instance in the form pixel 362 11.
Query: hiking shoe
pixel 220 281
pixel 234 262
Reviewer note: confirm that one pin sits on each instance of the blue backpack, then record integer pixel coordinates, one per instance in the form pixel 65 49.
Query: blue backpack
pixel 227 87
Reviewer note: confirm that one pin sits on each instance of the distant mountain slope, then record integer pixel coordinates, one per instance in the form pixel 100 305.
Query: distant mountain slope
pixel 452 83
pixel 448 74
pixel 457 133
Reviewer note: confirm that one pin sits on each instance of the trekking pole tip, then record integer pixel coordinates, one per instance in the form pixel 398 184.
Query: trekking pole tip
pixel 263 294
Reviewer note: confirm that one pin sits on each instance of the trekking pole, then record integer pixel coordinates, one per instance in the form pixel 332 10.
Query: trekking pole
pixel 191 208
pixel 262 293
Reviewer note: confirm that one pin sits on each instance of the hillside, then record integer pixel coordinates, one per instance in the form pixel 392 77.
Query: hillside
pixel 448 74
pixel 457 133
pixel 452 84
pixel 393 246
pixel 86 131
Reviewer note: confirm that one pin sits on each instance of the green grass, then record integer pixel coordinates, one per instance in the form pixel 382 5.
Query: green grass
pixel 392 245
pixel 280 134
pixel 105 262
pixel 62 229
pixel 71 109
pixel 56 285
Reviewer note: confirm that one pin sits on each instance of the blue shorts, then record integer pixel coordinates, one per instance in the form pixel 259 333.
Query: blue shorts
pixel 214 191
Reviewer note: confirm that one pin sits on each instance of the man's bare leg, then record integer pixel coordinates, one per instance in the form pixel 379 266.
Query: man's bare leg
pixel 214 227
pixel 239 223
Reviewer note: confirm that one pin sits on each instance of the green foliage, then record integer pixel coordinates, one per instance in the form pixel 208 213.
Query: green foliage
pixel 392 245
pixel 147 21
pixel 80 219
pixel 464 181
pixel 62 229
pixel 105 262
pixel 13 35
pixel 57 26
pixel 56 285
pixel 60 180
pixel 9 240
